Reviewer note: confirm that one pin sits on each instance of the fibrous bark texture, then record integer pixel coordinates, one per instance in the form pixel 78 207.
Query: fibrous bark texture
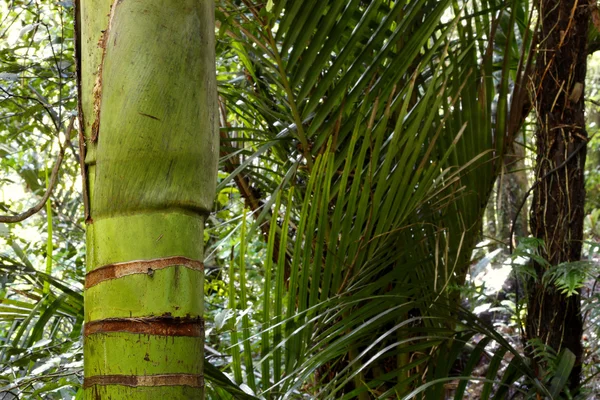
pixel 557 209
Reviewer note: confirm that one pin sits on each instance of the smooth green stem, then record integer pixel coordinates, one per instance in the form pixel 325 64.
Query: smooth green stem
pixel 149 112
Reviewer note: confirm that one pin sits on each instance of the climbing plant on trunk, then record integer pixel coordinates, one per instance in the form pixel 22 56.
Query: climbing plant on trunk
pixel 557 209
pixel 148 100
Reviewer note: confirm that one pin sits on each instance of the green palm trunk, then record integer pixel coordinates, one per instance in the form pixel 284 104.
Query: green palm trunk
pixel 148 102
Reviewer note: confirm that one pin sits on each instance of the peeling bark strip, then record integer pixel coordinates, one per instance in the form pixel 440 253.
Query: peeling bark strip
pixel 192 380
pixel 159 326
pixel 115 271
pixel 97 90
pixel 80 116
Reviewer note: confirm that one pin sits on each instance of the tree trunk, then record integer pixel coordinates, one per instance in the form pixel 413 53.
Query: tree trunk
pixel 148 113
pixel 511 191
pixel 557 209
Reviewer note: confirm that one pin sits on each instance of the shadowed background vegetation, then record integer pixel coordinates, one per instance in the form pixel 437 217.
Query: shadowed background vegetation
pixel 374 156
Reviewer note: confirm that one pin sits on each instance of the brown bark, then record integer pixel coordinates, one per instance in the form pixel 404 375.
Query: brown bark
pixel 557 209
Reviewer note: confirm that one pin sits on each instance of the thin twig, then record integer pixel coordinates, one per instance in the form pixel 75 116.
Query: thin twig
pixel 53 179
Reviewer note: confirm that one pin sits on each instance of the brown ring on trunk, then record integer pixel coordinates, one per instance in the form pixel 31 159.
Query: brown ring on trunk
pixel 118 270
pixel 160 326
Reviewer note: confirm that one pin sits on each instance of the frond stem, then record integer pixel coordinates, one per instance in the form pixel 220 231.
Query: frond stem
pixel 291 99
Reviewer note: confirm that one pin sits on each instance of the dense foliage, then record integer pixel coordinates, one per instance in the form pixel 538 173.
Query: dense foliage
pixel 353 251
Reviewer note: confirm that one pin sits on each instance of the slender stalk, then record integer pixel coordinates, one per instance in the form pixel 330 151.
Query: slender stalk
pixel 49 246
pixel 244 304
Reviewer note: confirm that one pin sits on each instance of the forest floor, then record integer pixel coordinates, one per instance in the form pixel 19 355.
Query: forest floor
pixel 492 296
